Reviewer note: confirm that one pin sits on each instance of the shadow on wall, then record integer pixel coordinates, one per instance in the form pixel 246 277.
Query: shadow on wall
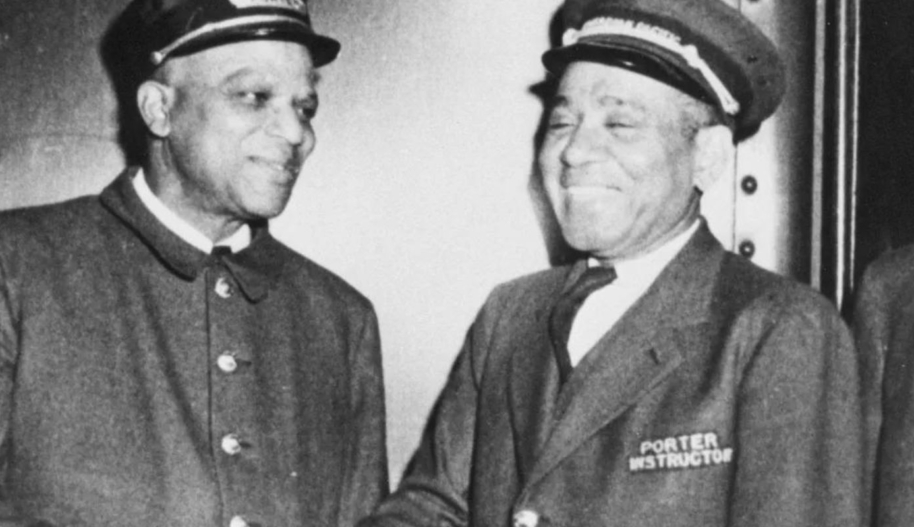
pixel 126 61
pixel 560 253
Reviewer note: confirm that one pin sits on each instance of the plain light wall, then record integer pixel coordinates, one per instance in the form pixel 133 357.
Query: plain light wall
pixel 418 191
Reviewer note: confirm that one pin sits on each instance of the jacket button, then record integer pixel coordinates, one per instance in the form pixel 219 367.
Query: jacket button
pixel 231 445
pixel 223 287
pixel 526 518
pixel 227 363
pixel 238 521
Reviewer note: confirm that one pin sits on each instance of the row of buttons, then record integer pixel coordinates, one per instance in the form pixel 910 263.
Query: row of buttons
pixel 224 289
pixel 230 444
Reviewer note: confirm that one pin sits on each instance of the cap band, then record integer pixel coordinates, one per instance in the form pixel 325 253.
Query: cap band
pixel 659 37
pixel 159 57
pixel 297 5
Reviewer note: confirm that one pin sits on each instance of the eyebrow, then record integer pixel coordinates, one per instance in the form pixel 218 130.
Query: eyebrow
pixel 560 101
pixel 313 77
pixel 240 74
pixel 610 101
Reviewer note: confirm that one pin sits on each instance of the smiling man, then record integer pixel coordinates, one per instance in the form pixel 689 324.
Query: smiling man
pixel 163 359
pixel 660 381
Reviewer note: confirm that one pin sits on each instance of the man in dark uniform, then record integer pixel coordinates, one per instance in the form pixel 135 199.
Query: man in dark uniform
pixel 690 388
pixel 884 328
pixel 163 359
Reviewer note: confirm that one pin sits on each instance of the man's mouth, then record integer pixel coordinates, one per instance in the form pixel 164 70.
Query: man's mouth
pixel 588 190
pixel 585 184
pixel 289 167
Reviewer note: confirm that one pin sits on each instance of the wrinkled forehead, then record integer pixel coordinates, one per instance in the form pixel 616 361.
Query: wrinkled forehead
pixel 281 61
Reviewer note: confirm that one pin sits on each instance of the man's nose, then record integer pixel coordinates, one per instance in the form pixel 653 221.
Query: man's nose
pixel 288 123
pixel 583 146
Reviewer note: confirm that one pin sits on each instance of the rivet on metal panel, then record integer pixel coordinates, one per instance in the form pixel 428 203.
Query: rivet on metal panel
pixel 749 185
pixel 747 249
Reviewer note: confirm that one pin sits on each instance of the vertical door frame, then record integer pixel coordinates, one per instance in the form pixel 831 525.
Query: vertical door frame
pixel 836 170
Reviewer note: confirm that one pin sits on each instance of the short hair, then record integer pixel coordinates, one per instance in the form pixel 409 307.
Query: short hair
pixel 698 114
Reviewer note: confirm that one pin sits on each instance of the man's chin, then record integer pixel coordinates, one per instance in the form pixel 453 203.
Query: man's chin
pixel 265 211
pixel 589 243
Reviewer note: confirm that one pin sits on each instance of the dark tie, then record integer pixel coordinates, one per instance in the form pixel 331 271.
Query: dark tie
pixel 221 250
pixel 567 307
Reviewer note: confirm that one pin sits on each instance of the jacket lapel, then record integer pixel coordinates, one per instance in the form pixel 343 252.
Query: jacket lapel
pixel 638 353
pixel 533 379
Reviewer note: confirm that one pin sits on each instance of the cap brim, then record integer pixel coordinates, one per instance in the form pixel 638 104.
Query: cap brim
pixel 324 50
pixel 635 55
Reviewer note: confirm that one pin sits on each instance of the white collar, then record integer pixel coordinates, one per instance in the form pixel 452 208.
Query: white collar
pixel 644 269
pixel 184 230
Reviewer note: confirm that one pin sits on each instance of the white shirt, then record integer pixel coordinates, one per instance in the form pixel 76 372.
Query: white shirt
pixel 187 232
pixel 604 307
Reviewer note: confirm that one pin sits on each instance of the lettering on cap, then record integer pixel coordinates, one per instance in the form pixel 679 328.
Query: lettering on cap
pixel 659 37
pixel 295 5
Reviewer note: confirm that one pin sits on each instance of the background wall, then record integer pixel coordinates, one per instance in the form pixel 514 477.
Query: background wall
pixel 419 192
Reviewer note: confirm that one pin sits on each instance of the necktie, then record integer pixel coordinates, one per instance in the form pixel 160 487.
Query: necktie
pixel 567 307
pixel 221 250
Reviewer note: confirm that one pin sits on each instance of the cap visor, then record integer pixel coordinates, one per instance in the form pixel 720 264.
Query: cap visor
pixel 635 56
pixel 324 50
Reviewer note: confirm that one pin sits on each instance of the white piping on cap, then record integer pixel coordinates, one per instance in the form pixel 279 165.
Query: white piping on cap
pixel 159 57
pixel 660 37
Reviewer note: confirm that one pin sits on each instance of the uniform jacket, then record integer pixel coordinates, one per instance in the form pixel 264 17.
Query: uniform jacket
pixel 145 383
pixel 884 327
pixel 726 396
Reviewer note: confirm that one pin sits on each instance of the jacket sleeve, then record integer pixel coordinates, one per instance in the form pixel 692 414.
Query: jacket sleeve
pixel 871 321
pixel 436 484
pixel 366 481
pixel 9 346
pixel 799 455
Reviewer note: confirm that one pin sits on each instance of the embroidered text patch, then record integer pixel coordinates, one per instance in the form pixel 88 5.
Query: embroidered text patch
pixel 680 452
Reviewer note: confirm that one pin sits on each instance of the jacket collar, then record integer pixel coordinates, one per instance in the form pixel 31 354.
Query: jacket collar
pixel 255 268
pixel 678 280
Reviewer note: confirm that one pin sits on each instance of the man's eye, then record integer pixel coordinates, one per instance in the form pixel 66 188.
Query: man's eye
pixel 615 123
pixel 254 98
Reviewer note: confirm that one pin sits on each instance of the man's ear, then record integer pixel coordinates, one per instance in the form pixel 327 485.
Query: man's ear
pixel 155 101
pixel 714 155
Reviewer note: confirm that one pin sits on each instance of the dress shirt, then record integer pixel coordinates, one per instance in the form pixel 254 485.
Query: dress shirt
pixel 187 232
pixel 603 308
